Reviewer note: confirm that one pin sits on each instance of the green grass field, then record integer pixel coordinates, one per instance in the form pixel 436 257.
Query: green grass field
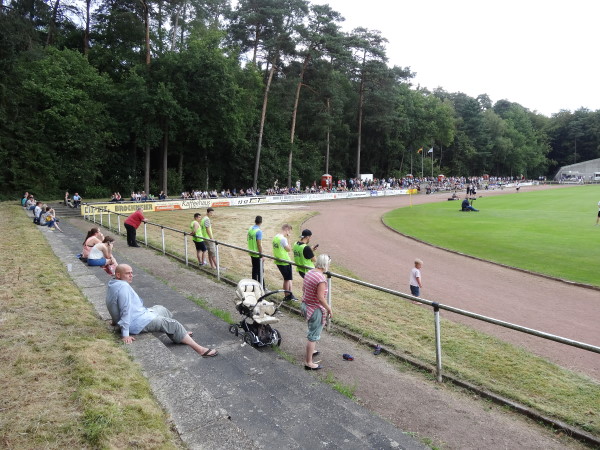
pixel 550 232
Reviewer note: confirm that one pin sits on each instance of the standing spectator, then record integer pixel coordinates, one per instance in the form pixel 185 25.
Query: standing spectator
pixel 304 254
pixel 197 238
pixel 598 218
pixel 76 200
pixel 127 310
pixel 281 249
pixel 315 308
pixel 132 223
pixel 206 227
pixel 415 278
pixel 255 244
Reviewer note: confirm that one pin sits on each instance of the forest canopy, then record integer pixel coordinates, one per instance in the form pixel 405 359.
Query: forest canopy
pixel 104 95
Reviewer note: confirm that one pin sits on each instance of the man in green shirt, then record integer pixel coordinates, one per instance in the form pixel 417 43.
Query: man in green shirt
pixel 197 238
pixel 281 247
pixel 206 229
pixel 304 254
pixel 255 244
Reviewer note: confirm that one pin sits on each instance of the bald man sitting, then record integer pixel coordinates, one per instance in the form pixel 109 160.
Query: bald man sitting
pixel 128 312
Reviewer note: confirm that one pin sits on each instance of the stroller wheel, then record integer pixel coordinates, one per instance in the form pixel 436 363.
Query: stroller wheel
pixel 277 337
pixel 233 329
pixel 249 338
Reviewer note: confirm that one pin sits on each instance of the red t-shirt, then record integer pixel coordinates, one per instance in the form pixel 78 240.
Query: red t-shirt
pixel 135 219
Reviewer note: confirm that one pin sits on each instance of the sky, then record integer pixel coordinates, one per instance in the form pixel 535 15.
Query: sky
pixel 541 54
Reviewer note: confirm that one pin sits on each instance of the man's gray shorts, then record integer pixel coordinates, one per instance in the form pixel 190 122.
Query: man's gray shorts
pixel 164 323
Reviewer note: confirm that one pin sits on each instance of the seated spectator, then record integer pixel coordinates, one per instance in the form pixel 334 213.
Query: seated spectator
pixel 94 236
pixel 30 203
pixel 162 195
pixel 76 200
pixel 127 310
pixel 37 213
pixel 24 199
pixel 466 206
pixel 49 219
pixel 101 255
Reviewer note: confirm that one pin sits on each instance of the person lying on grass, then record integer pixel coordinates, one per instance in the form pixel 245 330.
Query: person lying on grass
pixel 128 312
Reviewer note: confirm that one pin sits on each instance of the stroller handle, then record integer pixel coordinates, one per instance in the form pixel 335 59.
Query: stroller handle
pixel 279 291
pixel 273 292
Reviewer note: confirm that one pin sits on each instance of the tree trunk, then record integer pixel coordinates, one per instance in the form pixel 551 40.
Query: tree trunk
pixel 360 113
pixel 294 114
pixel 164 163
pixel 52 27
pixel 146 9
pixel 86 35
pixel 327 143
pixel 262 126
pixel 175 26
pixel 147 169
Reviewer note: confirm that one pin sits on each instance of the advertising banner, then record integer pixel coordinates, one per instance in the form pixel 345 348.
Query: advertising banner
pixel 177 205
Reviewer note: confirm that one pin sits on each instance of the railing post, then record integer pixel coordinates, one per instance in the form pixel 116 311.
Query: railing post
pixel 101 218
pixel 218 261
pixel 109 225
pixel 328 297
pixel 162 236
pixel 261 273
pixel 94 215
pixel 119 223
pixel 185 251
pixel 145 234
pixel 438 341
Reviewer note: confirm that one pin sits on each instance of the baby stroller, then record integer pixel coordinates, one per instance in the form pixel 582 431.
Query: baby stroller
pixel 259 314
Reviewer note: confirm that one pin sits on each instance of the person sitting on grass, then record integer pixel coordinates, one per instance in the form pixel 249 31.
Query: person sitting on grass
pixel 101 255
pixel 127 310
pixel 466 206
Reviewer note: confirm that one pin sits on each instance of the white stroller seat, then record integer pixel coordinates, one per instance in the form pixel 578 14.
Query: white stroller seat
pixel 248 292
pixel 263 313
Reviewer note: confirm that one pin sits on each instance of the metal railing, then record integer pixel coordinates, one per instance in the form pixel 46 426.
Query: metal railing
pixel 435 305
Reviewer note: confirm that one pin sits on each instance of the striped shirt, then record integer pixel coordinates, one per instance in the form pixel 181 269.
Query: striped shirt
pixel 312 279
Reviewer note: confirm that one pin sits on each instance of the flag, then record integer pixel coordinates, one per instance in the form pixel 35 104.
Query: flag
pixel 430 150
pixel 420 150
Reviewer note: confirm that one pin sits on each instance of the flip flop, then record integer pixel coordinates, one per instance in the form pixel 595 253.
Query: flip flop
pixel 207 353
pixel 316 352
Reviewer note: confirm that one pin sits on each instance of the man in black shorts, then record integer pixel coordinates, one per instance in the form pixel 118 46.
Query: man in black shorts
pixel 197 238
pixel 281 248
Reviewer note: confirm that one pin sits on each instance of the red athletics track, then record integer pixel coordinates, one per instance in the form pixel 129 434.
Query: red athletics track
pixel 353 233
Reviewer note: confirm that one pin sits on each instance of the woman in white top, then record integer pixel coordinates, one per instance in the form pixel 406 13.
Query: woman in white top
pixel 94 236
pixel 101 255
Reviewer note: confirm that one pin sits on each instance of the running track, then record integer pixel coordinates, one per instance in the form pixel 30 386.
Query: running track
pixel 353 233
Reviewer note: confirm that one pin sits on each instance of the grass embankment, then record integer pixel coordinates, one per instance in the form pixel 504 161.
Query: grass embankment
pixel 66 381
pixel 400 325
pixel 550 232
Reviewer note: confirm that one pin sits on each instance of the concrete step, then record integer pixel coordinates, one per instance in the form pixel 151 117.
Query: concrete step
pixel 65 211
